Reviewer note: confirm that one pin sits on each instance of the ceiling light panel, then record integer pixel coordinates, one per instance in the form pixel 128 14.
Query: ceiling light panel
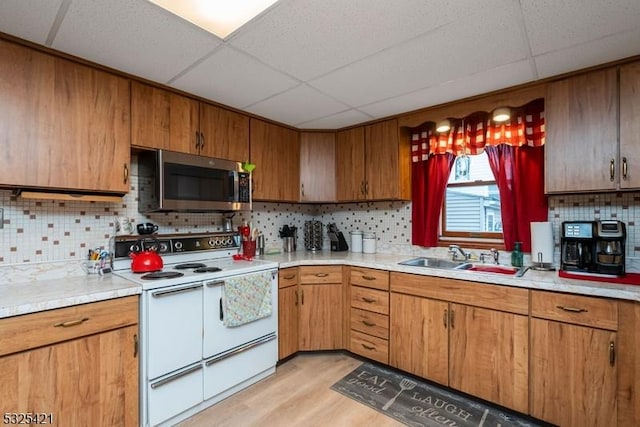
pixel 218 17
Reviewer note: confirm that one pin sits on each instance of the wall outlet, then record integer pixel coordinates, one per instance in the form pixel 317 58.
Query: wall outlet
pixel 1 218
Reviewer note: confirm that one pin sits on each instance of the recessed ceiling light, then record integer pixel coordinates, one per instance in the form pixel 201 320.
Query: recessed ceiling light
pixel 219 17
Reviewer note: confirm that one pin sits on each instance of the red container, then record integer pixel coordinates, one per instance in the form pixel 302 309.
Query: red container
pixel 249 248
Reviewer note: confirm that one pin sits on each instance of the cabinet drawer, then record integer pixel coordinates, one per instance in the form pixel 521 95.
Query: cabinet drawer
pixel 370 299
pixel 371 347
pixel 370 323
pixel 369 278
pixel 47 327
pixel 578 309
pixel 287 277
pixel 321 274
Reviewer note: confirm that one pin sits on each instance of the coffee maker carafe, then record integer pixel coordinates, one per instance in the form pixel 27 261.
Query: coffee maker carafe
pixel 610 238
pixel 577 246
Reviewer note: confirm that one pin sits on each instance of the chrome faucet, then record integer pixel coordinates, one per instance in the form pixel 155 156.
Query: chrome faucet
pixel 454 254
pixel 493 253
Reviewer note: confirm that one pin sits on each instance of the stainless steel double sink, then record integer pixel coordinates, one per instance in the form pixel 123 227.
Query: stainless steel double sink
pixel 464 265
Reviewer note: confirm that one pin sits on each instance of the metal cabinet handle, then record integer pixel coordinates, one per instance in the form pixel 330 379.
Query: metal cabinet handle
pixel 368 347
pixel 214 283
pixel 612 169
pixel 322 274
pixel 368 278
pixel 70 323
pixel 302 189
pixel 126 173
pixel 135 346
pixel 572 309
pixel 296 292
pixel 302 297
pixel 362 188
pixel 369 300
pixel 175 377
pixel 368 323
pixel 366 187
pixel 452 319
pixel 612 354
pixel 176 291
pixel 201 140
pixel 289 276
pixel 624 168
pixel 445 317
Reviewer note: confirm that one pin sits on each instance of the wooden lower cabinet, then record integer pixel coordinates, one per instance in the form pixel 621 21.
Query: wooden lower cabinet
pixel 461 335
pixel 321 317
pixel 88 380
pixel 288 313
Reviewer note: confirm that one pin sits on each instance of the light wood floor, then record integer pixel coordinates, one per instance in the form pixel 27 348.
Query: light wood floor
pixel 298 394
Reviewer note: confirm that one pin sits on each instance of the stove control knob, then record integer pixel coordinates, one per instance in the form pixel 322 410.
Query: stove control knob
pixel 212 243
pixel 134 248
pixel 178 245
pixel 164 247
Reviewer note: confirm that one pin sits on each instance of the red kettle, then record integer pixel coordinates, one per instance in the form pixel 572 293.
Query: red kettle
pixel 146 260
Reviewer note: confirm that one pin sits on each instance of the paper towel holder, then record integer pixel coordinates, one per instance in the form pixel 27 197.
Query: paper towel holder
pixel 539 265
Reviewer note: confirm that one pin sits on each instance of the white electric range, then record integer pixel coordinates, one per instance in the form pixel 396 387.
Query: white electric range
pixel 189 359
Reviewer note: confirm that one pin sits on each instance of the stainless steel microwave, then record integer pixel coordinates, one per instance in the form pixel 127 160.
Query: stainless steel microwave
pixel 179 182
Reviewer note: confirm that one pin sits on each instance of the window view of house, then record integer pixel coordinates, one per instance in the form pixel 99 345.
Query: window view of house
pixel 472 201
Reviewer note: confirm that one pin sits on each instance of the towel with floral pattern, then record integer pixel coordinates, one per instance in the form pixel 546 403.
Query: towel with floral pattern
pixel 246 298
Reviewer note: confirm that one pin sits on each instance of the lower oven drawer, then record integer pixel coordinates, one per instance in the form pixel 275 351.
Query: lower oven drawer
pixel 230 369
pixel 175 393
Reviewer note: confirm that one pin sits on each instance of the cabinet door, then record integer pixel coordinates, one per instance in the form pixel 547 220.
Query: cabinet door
pixel 275 150
pixel 418 337
pixel 581 126
pixel 317 167
pixel 488 355
pixel 573 382
pixel 321 314
pixel 81 382
pixel 382 162
pixel 225 133
pixel 162 119
pixel 288 300
pixel 62 125
pixel 630 125
pixel 350 165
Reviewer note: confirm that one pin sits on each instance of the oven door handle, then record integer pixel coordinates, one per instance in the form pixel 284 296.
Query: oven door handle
pixel 176 291
pixel 241 349
pixel 214 283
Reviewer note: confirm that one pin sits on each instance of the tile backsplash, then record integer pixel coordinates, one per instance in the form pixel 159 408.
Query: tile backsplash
pixel 43 231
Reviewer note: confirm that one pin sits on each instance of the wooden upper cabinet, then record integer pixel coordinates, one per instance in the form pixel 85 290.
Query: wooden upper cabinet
pixel 372 163
pixel 630 125
pixel 350 166
pixel 162 119
pixel 275 150
pixel 62 125
pixel 317 167
pixel 581 151
pixel 225 133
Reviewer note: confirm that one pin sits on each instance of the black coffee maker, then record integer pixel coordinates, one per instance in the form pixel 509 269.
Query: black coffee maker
pixel 610 238
pixel 593 247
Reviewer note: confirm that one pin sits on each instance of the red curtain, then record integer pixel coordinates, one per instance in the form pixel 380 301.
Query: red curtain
pixel 516 156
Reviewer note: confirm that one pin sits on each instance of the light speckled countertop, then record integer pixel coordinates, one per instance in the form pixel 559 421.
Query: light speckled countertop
pixel 24 294
pixel 532 279
pixel 21 298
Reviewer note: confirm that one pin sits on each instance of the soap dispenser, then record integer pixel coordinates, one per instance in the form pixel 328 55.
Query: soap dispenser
pixel 516 255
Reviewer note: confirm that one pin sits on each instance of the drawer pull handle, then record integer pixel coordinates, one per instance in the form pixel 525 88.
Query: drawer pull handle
pixel 612 354
pixel 322 274
pixel 368 300
pixel 445 318
pixel 70 323
pixel 572 309
pixel 612 169
pixel 368 347
pixel 368 278
pixel 367 323
pixel 289 276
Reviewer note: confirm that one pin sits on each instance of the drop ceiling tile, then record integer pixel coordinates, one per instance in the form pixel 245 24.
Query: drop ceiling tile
pixel 133 36
pixel 429 60
pixel 233 78
pixel 337 121
pixel 607 49
pixel 553 25
pixel 17 18
pixel 483 82
pixel 309 38
pixel 298 105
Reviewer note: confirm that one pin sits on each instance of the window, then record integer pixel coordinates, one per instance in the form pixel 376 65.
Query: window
pixel 471 207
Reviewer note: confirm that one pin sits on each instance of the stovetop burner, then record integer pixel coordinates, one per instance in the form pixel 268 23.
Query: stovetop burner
pixel 205 269
pixel 162 275
pixel 189 265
